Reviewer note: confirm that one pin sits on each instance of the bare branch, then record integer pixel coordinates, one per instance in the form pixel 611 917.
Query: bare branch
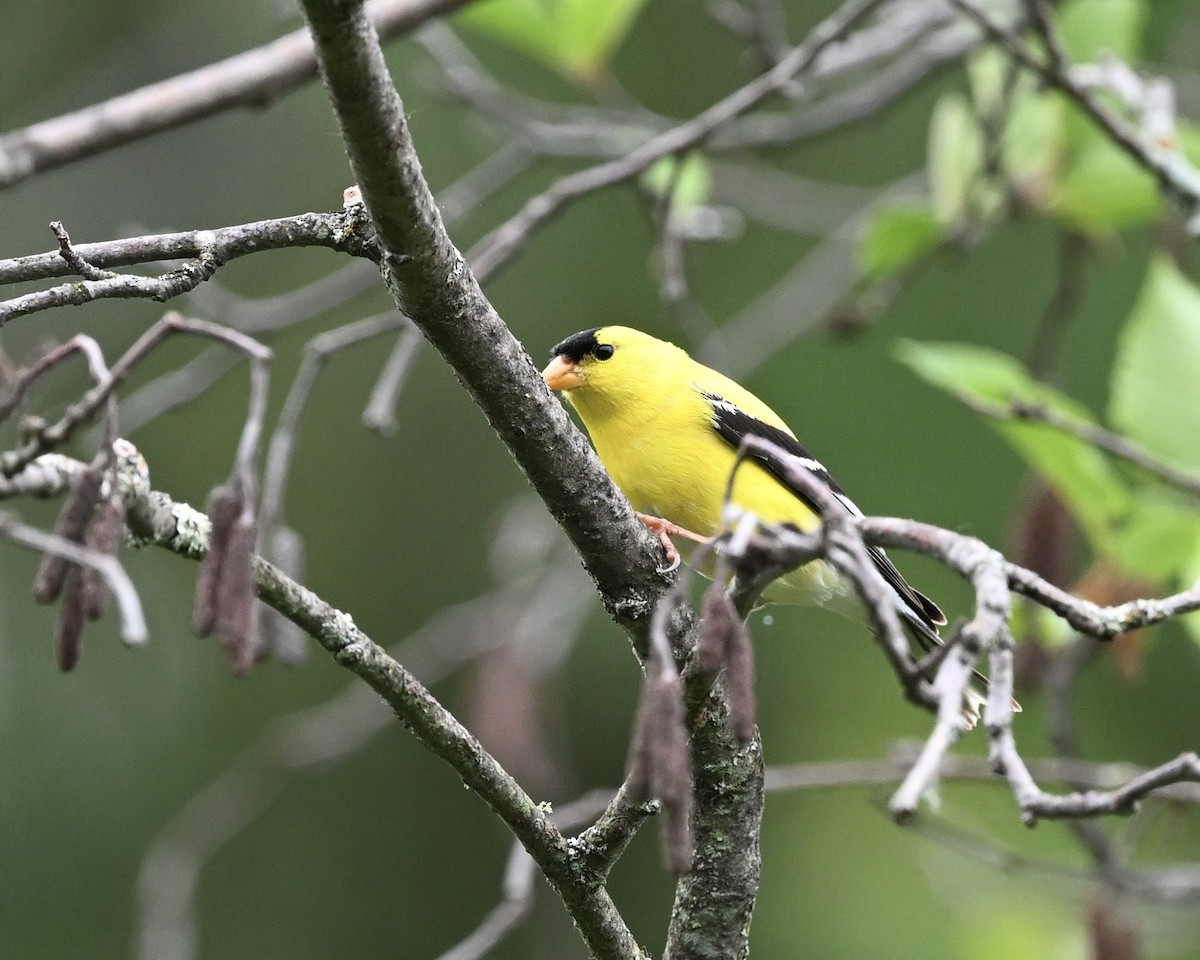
pixel 78 413
pixel 857 77
pixel 327 734
pixel 80 343
pixel 430 282
pixel 252 79
pixel 846 774
pixel 259 315
pixel 517 888
pixel 342 231
pixel 843 540
pixel 380 411
pixel 988 570
pixel 72 257
pixel 263 314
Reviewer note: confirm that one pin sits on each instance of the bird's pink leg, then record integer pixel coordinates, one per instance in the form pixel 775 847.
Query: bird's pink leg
pixel 665 530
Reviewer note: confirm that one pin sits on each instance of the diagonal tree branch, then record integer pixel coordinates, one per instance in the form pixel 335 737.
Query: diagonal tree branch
pixel 154 518
pixel 433 285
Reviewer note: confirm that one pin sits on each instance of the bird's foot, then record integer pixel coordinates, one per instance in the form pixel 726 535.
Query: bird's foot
pixel 665 530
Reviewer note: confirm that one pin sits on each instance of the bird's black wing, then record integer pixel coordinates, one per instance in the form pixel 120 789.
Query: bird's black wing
pixel 732 424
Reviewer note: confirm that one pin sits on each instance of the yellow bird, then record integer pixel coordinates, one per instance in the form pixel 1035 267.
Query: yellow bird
pixel 667 428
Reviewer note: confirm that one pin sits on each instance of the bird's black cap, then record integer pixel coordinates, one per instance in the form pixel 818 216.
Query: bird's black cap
pixel 577 346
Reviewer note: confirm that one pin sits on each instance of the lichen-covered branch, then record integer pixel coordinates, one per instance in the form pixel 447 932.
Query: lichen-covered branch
pixel 155 518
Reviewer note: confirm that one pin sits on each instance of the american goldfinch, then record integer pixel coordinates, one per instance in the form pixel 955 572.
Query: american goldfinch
pixel 668 428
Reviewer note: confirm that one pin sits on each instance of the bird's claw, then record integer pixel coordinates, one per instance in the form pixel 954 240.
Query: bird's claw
pixel 664 530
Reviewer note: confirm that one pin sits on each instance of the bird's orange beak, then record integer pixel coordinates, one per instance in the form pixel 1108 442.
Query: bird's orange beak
pixel 562 374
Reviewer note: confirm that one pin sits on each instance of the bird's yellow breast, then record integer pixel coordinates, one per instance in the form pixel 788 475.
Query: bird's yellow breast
pixel 662 450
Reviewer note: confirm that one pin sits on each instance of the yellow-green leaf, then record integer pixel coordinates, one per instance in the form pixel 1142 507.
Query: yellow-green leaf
pixel 955 155
pixel 896 237
pixel 1090 28
pixel 1080 474
pixel 1160 538
pixel 692 183
pixel 578 38
pixel 1155 392
pixel 1104 190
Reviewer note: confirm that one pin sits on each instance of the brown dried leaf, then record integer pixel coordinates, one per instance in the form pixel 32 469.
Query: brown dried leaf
pixel 670 763
pixel 103 536
pixel 1112 936
pixel 718 624
pixel 235 596
pixel 71 523
pixel 224 508
pixel 1108 586
pixel 68 633
pixel 1044 535
pixel 739 684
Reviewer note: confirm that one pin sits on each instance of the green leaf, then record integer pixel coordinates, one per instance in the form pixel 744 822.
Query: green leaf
pixel 1104 190
pixel 1034 137
pixel 1160 538
pixel 575 37
pixel 1080 474
pixel 1019 928
pixel 692 184
pixel 1090 28
pixel 1155 392
pixel 896 237
pixel 986 69
pixel 955 155
pixel 1190 576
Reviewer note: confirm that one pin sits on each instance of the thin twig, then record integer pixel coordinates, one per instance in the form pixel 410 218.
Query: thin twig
pixel 988 632
pixel 518 884
pixel 80 343
pixel 1038 14
pixel 380 411
pixel 47 437
pixel 340 230
pixel 259 315
pixel 159 520
pixel 505 241
pixel 1097 436
pixel 849 774
pixel 317 352
pixel 327 734
pixel 72 257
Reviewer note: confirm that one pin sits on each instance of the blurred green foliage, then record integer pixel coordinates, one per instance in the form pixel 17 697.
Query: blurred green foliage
pixel 387 854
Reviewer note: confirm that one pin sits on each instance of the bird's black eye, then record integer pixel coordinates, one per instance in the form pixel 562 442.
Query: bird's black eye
pixel 604 351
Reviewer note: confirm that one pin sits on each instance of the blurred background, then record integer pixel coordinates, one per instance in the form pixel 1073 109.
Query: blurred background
pixel 285 807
